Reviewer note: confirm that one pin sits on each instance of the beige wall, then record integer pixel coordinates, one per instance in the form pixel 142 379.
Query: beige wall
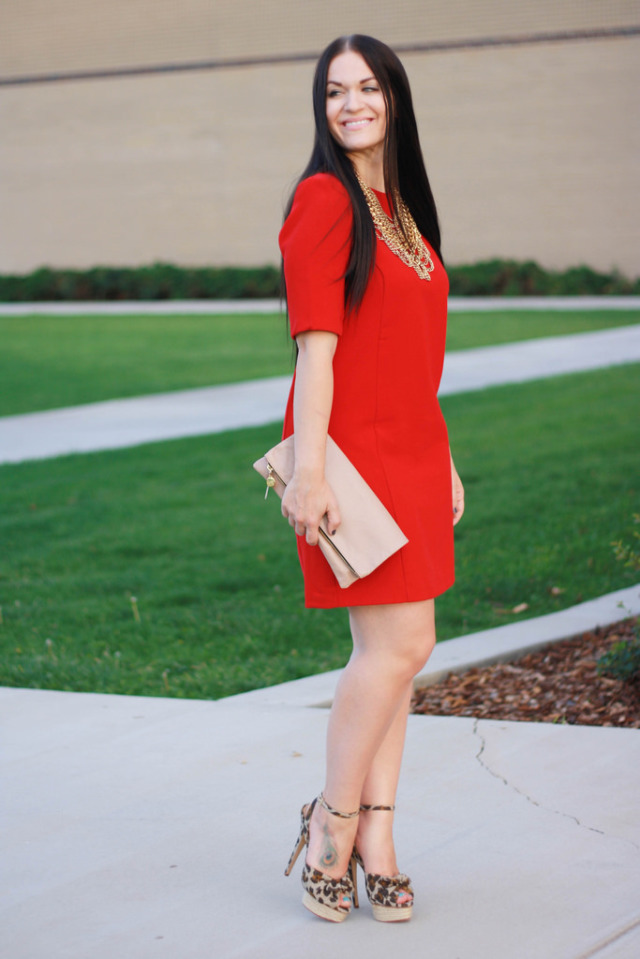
pixel 532 150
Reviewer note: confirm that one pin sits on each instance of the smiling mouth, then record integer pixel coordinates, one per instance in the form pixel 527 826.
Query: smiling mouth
pixel 357 124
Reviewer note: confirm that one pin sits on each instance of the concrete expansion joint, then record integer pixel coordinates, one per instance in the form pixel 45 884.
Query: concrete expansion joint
pixel 615 938
pixel 534 802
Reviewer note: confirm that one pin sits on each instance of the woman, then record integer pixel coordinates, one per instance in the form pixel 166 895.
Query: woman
pixel 367 300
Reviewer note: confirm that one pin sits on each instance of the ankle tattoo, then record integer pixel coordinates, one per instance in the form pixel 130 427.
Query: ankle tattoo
pixel 328 852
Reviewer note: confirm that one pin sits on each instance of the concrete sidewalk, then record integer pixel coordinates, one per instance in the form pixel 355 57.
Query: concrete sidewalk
pixel 138 827
pixel 129 422
pixel 457 304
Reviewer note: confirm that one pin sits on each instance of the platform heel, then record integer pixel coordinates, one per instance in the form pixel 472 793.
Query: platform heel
pixel 328 898
pixel 383 892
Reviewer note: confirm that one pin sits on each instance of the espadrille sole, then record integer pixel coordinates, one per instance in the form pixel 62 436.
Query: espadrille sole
pixel 324 912
pixel 392 913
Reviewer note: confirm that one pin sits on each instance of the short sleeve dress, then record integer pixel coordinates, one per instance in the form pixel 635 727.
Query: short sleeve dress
pixel 385 414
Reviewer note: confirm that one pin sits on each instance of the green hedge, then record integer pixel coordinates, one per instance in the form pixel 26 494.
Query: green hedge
pixel 509 278
pixel 162 281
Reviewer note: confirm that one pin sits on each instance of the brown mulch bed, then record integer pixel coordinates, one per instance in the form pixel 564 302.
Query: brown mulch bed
pixel 558 684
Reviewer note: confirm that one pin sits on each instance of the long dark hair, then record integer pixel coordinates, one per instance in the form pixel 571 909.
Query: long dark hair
pixel 403 164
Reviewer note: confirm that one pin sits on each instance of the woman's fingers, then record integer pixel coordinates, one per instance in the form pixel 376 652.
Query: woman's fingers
pixel 305 513
pixel 333 518
pixel 458 502
pixel 311 535
pixel 457 494
pixel 303 524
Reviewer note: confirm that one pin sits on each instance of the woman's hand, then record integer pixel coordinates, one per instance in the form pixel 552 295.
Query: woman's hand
pixel 306 500
pixel 457 494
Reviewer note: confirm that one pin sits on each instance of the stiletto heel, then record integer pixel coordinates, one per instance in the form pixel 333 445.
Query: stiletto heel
pixel 383 892
pixel 302 842
pixel 325 896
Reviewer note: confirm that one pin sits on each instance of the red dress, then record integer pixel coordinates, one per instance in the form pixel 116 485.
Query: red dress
pixel 385 414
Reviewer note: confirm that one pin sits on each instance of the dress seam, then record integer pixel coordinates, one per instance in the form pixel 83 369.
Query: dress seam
pixel 383 466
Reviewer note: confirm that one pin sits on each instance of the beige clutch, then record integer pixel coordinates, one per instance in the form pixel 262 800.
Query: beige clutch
pixel 367 535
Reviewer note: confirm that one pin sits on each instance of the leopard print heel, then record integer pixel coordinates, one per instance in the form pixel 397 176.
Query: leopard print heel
pixel 384 892
pixel 330 898
pixel 324 896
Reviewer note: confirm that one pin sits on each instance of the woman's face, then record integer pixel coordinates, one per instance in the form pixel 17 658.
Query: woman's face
pixel 356 110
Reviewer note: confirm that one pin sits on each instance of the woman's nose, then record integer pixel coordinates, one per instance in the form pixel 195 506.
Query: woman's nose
pixel 354 100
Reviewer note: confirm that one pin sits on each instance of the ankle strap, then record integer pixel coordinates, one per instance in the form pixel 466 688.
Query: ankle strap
pixel 365 808
pixel 334 812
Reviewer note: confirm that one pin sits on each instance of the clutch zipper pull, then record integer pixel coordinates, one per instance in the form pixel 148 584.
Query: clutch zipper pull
pixel 270 480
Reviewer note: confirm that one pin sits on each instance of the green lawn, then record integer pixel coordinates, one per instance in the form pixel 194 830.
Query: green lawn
pixel 552 477
pixel 50 362
pixel 467 330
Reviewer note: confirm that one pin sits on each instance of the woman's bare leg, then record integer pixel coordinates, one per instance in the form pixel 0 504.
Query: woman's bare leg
pixel 366 731
pixel 375 827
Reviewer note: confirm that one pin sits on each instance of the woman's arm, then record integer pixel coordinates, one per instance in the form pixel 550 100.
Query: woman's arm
pixel 308 496
pixel 457 493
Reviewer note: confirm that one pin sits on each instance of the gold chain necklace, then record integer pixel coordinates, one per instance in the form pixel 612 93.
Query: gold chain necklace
pixel 415 252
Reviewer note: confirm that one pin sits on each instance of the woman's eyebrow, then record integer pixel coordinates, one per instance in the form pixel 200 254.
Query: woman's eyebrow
pixel 337 83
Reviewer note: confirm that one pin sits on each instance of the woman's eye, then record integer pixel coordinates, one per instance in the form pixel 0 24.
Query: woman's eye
pixel 370 89
pixel 332 93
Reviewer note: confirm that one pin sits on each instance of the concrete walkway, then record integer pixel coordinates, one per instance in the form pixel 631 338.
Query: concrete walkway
pixel 139 827
pixel 129 422
pixel 457 304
